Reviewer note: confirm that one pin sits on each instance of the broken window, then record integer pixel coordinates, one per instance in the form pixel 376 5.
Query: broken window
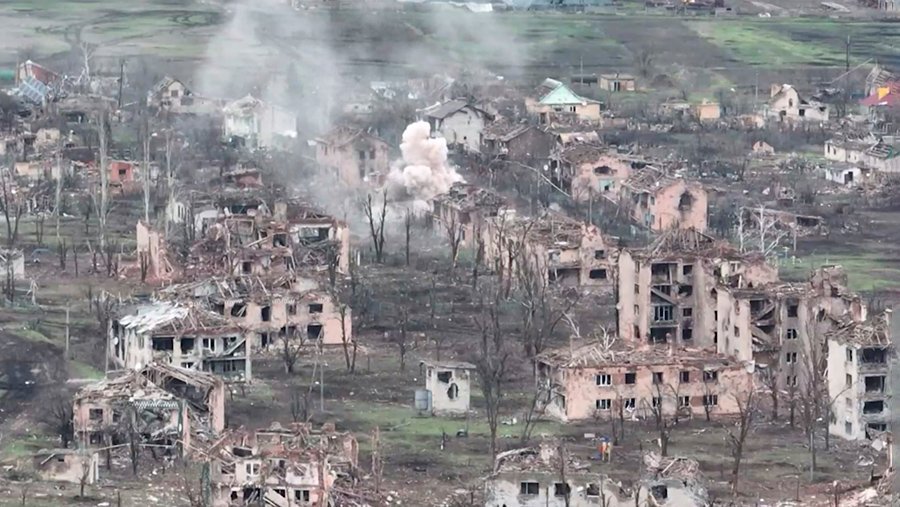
pixel 687 334
pixel 280 492
pixel 187 345
pixel 246 267
pixel 291 309
pixel 362 155
pixel 561 489
pixel 164 343
pixel 687 269
pixel 604 404
pixel 872 427
pixel 687 312
pixel 685 290
pixel 662 313
pixel 209 344
pixel 313 331
pixel 656 401
pixel 95 414
pixel 685 377
pixel 710 376
pixel 598 274
pixel 238 310
pixel 316 308
pixel 630 378
pixel 684 401
pixel 849 355
pixel 657 377
pixel 529 488
pixel 602 170
pixel 599 254
pixel 660 492
pixel 873 407
pixel 874 384
pixel 252 469
pixel 792 309
pixel 869 355
pixel 791 334
pixel 444 376
pixel 301 495
pixel 265 313
pixel 710 400
pixel 848 380
pixel 279 239
pixel 685 202
pixel 96 438
pixel 453 392
pixel 604 379
pixel 790 357
pixel 629 403
pixel 592 490
pixel 791 380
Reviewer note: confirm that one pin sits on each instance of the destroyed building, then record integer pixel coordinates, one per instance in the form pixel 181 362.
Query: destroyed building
pixel 246 238
pixel 449 385
pixel 516 142
pixel 860 355
pixel 462 213
pixel 270 310
pixel 255 124
pixel 281 466
pixel 787 105
pixel 661 202
pixel 554 102
pixel 778 324
pixel 556 249
pixel 596 380
pixel 789 222
pixel 588 172
pixel 354 156
pixel 67 465
pixel 544 476
pixel 182 335
pixel 671 481
pixel 667 291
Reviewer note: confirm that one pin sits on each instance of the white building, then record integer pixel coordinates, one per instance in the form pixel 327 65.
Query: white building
pixel 12 262
pixel 258 124
pixel 450 385
pixel 859 360
pixel 459 122
pixel 844 174
pixel 786 104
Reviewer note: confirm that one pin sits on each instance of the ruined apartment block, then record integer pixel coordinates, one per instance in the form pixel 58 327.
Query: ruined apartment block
pixel 592 381
pixel 246 238
pixel 533 477
pixel 661 202
pixel 560 250
pixel 463 212
pixel 667 291
pixel 777 324
pixel 186 336
pixel 859 360
pixel 272 309
pixel 354 156
pixel 588 172
pixel 449 386
pixel 282 467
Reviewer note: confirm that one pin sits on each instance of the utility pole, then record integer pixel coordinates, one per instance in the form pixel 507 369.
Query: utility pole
pixel 847 58
pixel 67 332
pixel 121 81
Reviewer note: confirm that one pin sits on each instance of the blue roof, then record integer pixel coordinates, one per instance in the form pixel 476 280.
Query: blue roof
pixel 34 90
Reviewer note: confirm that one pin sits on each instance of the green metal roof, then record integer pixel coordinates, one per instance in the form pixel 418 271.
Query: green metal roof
pixel 562 95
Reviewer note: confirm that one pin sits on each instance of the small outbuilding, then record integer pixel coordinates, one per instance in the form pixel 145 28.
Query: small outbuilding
pixel 449 384
pixel 67 465
pixel 617 82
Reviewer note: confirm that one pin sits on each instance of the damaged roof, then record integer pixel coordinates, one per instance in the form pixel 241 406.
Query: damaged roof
pixel 467 197
pixel 649 179
pixel 441 111
pixel 875 332
pixel 595 354
pixel 345 134
pixel 165 316
pixel 554 93
pixel 504 131
pixel 581 153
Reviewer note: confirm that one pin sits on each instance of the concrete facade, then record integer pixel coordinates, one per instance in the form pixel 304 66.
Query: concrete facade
pixel 786 104
pixel 459 122
pixel 589 172
pixel 661 202
pixel 553 101
pixel 450 385
pixel 353 156
pixel 258 124
pixel 67 465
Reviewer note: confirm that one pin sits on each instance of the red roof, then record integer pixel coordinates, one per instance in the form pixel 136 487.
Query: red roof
pixel 891 99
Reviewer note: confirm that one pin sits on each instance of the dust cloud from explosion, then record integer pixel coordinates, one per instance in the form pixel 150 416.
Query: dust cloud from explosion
pixel 423 172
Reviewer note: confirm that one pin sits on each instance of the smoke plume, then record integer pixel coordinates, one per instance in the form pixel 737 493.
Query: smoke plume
pixel 423 173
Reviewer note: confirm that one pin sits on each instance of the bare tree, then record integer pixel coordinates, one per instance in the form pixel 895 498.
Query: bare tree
pixel 291 348
pixel 737 435
pixel 543 306
pixel 491 365
pixel 377 459
pixel 407 226
pixel 86 472
pixel 769 378
pixel 58 417
pixel 12 208
pixel 563 475
pixel 764 234
pixel 145 166
pixel 376 221
pixel 663 422
pixel 103 206
pixel 349 346
pixel 454 231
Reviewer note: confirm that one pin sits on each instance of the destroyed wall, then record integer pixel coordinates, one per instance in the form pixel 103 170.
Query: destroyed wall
pixel 589 260
pixel 678 383
pixel 354 158
pixel 279 479
pixel 540 488
pixel 154 250
pixel 682 204
pixel 100 417
pixel 599 177
pixel 313 316
pixel 67 465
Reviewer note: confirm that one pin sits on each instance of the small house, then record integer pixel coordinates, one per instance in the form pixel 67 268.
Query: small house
pixel 459 122
pixel 67 465
pixel 763 149
pixel 553 101
pixel 450 384
pixel 617 82
pixel 786 104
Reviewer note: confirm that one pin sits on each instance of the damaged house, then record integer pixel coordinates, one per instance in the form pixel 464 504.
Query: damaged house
pixel 782 220
pixel 186 336
pixel 667 291
pixel 860 355
pixel 557 249
pixel 786 105
pixel 271 309
pixel 596 380
pixel 459 122
pixel 533 477
pixel 463 212
pixel 67 465
pixel 660 202
pixel 554 102
pixel 281 467
pixel 255 124
pixel 449 385
pixel 588 171
pixel 516 142
pixel 354 156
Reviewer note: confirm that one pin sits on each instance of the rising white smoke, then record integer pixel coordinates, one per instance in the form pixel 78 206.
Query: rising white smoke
pixel 424 172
